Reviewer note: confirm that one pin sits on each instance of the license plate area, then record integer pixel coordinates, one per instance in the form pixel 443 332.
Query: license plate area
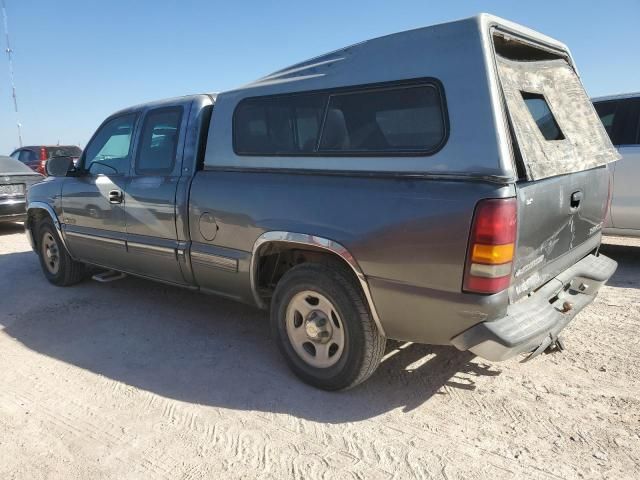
pixel 12 190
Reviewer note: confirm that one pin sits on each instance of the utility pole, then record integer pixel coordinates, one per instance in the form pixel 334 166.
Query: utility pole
pixel 13 83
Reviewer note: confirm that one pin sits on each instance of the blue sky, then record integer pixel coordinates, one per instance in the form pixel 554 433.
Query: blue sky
pixel 78 61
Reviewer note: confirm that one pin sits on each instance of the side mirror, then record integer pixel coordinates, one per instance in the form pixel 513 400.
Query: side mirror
pixel 59 166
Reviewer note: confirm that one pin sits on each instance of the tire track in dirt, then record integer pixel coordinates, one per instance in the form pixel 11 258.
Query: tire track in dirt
pixel 241 446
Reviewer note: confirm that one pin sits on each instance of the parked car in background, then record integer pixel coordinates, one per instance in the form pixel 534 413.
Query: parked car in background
pixel 620 115
pixel 15 179
pixel 36 157
pixel 444 185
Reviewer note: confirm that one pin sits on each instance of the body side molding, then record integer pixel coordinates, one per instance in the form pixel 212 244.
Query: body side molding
pixel 317 242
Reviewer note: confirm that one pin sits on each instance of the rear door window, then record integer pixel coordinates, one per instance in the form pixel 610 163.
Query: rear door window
pixel 27 156
pixel 159 141
pixel 59 151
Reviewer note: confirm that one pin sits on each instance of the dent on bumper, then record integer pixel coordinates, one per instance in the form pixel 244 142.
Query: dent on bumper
pixel 529 322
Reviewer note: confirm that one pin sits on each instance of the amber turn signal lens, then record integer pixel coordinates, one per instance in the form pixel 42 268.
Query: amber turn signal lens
pixel 492 254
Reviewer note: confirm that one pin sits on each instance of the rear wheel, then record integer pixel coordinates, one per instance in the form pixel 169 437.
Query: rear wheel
pixel 57 265
pixel 323 327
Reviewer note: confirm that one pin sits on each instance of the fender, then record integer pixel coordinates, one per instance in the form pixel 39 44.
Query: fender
pixel 54 218
pixel 317 242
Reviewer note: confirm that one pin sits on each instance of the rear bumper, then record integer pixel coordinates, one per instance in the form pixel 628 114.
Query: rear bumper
pixel 12 210
pixel 532 321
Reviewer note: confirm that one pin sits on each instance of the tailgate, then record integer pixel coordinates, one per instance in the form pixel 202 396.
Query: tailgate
pixel 563 152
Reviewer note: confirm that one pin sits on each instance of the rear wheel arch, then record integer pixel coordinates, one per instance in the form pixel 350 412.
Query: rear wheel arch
pixel 276 252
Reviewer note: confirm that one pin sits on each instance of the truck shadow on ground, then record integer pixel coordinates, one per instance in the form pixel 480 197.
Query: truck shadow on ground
pixel 207 350
pixel 628 257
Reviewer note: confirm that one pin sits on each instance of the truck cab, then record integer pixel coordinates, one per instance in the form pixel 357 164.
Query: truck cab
pixel 124 206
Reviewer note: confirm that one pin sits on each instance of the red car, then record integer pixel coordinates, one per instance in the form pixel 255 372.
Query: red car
pixel 35 157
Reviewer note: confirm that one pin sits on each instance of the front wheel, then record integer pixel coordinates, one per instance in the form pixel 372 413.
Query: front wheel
pixel 57 265
pixel 323 327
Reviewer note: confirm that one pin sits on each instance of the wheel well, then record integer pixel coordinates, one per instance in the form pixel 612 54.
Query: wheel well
pixel 277 258
pixel 34 216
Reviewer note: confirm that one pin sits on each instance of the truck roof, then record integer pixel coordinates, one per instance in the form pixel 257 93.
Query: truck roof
pixel 163 102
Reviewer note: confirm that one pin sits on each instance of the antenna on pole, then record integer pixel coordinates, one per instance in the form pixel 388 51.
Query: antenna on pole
pixel 13 83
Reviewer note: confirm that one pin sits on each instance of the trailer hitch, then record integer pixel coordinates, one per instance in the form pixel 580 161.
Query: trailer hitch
pixel 548 345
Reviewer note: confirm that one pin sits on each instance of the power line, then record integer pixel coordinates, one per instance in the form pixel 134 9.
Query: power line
pixel 13 83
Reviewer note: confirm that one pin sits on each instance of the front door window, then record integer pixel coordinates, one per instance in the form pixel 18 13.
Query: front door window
pixel 109 151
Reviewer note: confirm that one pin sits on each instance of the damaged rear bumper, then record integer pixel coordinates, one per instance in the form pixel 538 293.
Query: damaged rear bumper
pixel 540 317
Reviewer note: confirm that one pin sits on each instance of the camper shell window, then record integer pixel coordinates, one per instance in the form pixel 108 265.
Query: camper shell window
pixel 387 120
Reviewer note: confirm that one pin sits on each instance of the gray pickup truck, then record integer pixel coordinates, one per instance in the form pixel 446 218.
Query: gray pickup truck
pixel 444 185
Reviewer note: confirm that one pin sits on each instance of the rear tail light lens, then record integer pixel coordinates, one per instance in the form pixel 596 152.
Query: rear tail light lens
pixel 43 160
pixel 491 246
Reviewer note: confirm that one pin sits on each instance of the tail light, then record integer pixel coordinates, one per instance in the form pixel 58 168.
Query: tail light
pixel 43 160
pixel 491 246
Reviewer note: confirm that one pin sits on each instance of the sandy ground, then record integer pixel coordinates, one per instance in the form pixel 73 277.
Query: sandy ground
pixel 136 380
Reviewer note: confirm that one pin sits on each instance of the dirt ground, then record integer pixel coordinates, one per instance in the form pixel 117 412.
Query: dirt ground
pixel 136 380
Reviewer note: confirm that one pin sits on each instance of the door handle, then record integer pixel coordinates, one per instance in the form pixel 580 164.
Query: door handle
pixel 576 198
pixel 116 196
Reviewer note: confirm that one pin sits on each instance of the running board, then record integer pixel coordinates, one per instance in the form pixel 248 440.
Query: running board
pixel 108 276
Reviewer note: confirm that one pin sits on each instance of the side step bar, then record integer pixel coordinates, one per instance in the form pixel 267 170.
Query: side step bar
pixel 108 276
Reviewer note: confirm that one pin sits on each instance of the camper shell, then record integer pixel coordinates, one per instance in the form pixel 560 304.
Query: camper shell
pixel 458 58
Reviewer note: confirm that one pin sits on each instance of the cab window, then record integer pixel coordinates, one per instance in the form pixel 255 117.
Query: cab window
pixel 159 141
pixel 109 151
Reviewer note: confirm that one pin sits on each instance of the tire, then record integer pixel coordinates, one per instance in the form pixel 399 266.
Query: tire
pixel 57 265
pixel 306 295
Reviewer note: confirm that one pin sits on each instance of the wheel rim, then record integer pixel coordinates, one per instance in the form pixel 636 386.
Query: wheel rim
pixel 315 329
pixel 50 253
